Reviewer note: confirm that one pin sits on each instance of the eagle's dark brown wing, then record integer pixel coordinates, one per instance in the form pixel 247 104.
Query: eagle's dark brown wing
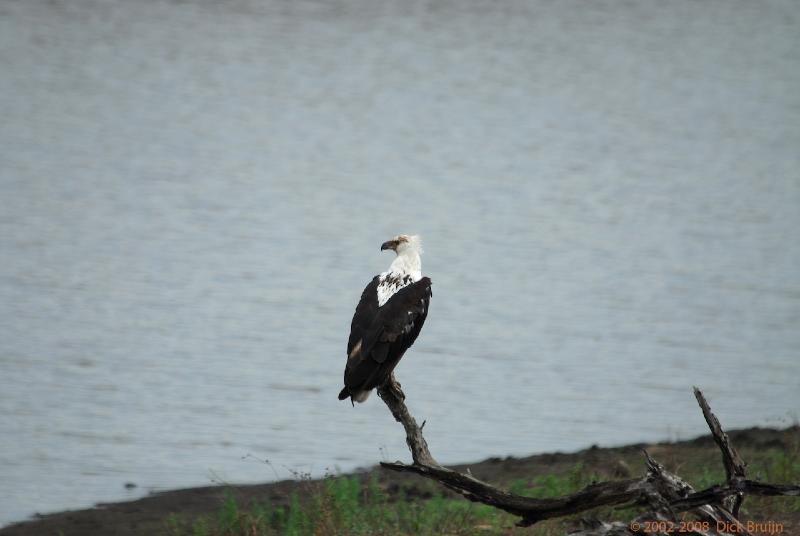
pixel 379 336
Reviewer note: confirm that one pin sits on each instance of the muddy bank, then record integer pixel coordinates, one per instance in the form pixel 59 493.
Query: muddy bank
pixel 147 516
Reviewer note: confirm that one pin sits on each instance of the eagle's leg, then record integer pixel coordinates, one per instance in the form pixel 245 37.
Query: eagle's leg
pixel 394 387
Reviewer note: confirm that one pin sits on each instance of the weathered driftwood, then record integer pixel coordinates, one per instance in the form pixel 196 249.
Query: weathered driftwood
pixel 734 465
pixel 663 493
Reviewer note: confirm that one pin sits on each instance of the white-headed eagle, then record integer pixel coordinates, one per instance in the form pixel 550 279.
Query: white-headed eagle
pixel 387 320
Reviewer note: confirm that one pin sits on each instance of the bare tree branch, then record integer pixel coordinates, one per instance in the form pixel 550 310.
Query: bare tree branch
pixel 716 494
pixel 733 463
pixel 529 509
pixel 393 397
pixel 666 494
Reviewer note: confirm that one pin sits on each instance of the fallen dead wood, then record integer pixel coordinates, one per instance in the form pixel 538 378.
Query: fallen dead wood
pixel 734 465
pixel 660 493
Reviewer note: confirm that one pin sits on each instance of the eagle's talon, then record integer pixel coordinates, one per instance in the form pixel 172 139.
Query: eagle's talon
pixel 394 387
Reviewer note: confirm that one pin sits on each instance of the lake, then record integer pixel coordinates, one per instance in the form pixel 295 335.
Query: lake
pixel 194 195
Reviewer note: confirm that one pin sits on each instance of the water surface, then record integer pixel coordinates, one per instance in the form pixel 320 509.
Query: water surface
pixel 194 196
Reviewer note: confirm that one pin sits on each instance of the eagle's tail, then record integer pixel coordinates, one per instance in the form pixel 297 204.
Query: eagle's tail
pixel 358 396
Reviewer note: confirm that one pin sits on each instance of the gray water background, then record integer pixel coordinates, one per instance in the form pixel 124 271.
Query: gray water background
pixel 194 195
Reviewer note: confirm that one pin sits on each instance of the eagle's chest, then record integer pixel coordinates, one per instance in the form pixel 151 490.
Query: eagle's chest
pixel 389 283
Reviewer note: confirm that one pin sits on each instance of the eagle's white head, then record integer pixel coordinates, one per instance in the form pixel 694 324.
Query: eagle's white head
pixel 403 243
pixel 408 249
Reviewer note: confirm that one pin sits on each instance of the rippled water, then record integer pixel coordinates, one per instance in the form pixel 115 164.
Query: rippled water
pixel 193 196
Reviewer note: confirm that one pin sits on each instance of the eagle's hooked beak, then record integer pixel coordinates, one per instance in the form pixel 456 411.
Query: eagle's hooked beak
pixel 390 244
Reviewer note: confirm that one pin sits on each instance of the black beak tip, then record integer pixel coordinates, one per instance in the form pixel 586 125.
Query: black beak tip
pixel 387 245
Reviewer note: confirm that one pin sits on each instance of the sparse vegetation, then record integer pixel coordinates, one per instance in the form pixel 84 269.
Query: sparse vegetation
pixel 383 503
pixel 353 505
pixel 345 505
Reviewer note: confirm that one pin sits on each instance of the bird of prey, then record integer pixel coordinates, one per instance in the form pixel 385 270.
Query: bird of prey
pixel 387 321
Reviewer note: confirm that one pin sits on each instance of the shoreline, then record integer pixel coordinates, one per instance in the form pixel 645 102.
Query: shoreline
pixel 148 515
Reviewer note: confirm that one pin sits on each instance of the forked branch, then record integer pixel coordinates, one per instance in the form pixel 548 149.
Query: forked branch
pixel 734 465
pixel 663 493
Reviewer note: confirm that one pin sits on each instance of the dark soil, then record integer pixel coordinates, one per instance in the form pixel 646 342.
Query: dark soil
pixel 147 516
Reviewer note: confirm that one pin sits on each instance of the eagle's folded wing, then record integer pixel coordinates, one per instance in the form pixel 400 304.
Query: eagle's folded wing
pixel 375 351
